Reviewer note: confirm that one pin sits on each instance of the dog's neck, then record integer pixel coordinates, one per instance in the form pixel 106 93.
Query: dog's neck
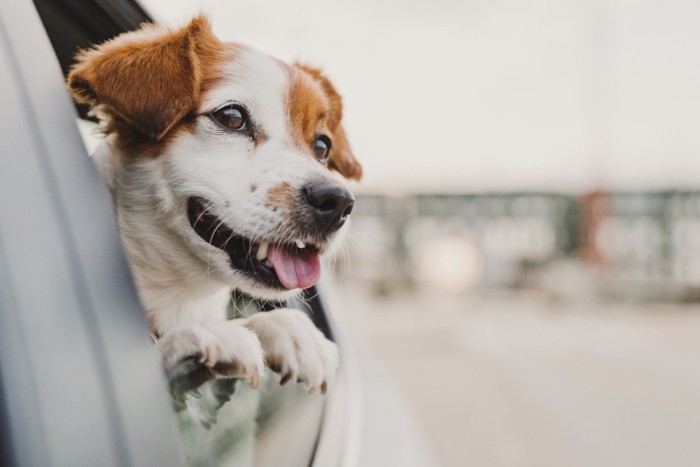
pixel 174 285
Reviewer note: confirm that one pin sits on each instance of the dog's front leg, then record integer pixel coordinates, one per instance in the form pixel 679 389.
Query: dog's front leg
pixel 195 353
pixel 295 348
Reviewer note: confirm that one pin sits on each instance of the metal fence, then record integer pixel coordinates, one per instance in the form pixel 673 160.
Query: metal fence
pixel 647 241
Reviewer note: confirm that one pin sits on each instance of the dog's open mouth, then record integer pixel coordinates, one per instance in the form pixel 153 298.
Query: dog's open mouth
pixel 281 266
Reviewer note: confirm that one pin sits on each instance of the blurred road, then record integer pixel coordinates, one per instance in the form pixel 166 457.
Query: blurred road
pixel 518 381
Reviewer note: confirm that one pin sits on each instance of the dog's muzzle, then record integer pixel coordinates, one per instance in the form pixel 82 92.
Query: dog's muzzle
pixel 288 259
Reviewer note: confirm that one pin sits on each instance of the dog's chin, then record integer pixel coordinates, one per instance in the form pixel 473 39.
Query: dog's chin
pixel 254 290
pixel 262 269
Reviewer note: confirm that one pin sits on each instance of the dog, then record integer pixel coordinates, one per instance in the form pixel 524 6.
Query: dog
pixel 226 169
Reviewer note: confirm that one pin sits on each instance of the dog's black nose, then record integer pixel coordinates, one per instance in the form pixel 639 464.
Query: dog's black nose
pixel 332 204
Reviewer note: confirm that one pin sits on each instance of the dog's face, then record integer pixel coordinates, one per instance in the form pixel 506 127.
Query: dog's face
pixel 242 150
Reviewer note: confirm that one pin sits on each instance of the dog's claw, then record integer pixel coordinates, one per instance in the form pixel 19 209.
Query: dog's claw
pixel 324 388
pixel 285 379
pixel 255 379
pixel 209 362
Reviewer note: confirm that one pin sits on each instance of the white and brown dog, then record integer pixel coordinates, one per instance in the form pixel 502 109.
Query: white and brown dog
pixel 222 165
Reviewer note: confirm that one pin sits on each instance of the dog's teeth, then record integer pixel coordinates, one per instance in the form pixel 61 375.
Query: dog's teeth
pixel 268 263
pixel 262 251
pixel 301 245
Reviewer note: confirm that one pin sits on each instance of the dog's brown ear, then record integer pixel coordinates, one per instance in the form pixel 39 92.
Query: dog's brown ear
pixel 150 78
pixel 341 157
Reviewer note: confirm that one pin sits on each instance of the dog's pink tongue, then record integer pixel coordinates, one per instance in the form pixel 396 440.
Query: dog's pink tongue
pixel 298 270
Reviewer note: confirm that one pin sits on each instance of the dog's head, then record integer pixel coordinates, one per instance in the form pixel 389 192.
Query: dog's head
pixel 242 150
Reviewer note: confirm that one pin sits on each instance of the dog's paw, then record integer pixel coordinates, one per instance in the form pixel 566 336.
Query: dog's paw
pixel 196 353
pixel 295 348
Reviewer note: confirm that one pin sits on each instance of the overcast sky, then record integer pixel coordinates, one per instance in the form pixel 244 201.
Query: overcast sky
pixel 472 95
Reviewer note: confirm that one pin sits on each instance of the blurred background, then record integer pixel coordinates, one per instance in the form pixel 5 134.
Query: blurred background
pixel 524 266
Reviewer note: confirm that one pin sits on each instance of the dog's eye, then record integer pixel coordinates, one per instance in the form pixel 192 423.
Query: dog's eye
pixel 321 147
pixel 232 117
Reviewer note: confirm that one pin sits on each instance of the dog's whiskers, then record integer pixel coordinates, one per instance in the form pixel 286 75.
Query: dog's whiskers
pixel 207 209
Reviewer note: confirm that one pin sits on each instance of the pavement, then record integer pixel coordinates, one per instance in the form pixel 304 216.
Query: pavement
pixel 518 380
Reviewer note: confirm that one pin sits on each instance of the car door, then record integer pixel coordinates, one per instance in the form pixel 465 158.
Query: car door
pixel 80 382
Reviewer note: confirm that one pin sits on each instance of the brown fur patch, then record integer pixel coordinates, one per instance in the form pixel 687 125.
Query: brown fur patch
pixel 315 107
pixel 308 108
pixel 281 196
pixel 150 82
